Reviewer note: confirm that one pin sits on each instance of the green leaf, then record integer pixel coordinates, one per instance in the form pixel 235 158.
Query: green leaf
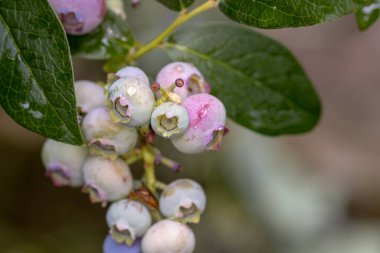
pixel 261 84
pixel 288 13
pixel 176 5
pixel 36 80
pixel 111 39
pixel 367 16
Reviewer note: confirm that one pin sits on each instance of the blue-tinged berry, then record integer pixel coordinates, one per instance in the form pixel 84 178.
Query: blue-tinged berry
pixel 170 120
pixel 130 101
pixel 106 180
pixel 89 95
pixel 167 236
pixel 127 220
pixel 183 200
pixel 79 17
pixel 104 137
pixel 63 163
pixel 110 246
pixel 135 72
pixel 207 125
pixel 194 82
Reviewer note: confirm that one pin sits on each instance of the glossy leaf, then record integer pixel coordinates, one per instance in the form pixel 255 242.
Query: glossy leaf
pixel 261 84
pixel 110 40
pixel 368 16
pixel 288 13
pixel 176 5
pixel 36 80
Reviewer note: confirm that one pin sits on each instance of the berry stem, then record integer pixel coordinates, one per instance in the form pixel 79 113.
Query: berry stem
pixel 182 18
pixel 160 185
pixel 150 175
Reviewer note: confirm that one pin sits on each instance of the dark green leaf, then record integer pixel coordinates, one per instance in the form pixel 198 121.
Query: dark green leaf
pixel 36 80
pixel 288 13
pixel 367 16
pixel 176 5
pixel 110 40
pixel 260 82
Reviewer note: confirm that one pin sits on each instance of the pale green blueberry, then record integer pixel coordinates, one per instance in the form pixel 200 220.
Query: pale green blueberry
pixel 135 72
pixel 89 95
pixel 63 163
pixel 104 137
pixel 127 220
pixel 167 236
pixel 130 101
pixel 170 120
pixel 184 200
pixel 106 180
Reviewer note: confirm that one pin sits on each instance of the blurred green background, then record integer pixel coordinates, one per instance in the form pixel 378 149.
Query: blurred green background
pixel 313 193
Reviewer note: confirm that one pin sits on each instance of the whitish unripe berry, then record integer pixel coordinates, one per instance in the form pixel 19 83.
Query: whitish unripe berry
pixel 89 95
pixel 110 246
pixel 193 79
pixel 184 200
pixel 170 120
pixel 207 124
pixel 63 163
pixel 106 180
pixel 79 16
pixel 130 101
pixel 135 72
pixel 127 220
pixel 167 236
pixel 105 137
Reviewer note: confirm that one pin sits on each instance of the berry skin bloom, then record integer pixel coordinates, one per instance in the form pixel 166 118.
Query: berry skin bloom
pixel 110 246
pixel 207 125
pixel 63 163
pixel 184 200
pixel 130 101
pixel 104 137
pixel 135 72
pixel 170 120
pixel 127 220
pixel 106 180
pixel 193 79
pixel 167 236
pixel 89 95
pixel 79 17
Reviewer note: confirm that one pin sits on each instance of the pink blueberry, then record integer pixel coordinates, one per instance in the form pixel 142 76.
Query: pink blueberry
pixel 193 79
pixel 207 124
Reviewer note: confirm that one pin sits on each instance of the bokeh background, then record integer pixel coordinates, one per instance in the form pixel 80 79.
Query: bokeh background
pixel 313 193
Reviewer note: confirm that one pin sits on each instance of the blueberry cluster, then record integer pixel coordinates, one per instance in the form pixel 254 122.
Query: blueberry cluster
pixel 119 123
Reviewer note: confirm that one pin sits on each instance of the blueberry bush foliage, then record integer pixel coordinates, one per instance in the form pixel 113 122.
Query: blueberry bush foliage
pixel 259 81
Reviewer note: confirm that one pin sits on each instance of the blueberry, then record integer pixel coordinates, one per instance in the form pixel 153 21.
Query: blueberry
pixel 89 95
pixel 193 79
pixel 167 236
pixel 79 17
pixel 135 72
pixel 63 163
pixel 183 199
pixel 130 101
pixel 207 124
pixel 110 246
pixel 106 180
pixel 170 120
pixel 104 137
pixel 127 220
